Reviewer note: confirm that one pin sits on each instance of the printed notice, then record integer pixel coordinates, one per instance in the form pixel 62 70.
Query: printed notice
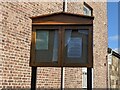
pixel 74 48
pixel 42 40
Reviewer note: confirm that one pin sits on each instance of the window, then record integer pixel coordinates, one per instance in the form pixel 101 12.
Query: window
pixel 89 12
pixel 87 9
pixel 84 78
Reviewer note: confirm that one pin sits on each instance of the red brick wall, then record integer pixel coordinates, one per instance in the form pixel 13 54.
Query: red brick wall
pixel 16 40
pixel 16 36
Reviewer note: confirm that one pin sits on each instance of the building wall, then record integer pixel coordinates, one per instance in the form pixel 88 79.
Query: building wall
pixel 16 34
pixel 100 44
pixel 16 39
pixel 119 73
pixel 114 72
pixel 0 50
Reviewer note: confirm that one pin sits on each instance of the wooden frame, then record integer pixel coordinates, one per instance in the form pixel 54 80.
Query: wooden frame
pixel 90 45
pixel 61 21
pixel 61 30
pixel 33 63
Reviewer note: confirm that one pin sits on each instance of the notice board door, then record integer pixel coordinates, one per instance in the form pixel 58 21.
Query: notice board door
pixel 77 46
pixel 62 45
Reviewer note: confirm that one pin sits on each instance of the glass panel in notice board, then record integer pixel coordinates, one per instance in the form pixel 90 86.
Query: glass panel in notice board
pixel 46 46
pixel 76 46
pixel 42 40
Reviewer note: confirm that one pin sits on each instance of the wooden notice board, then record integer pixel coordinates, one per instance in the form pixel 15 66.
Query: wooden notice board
pixel 62 40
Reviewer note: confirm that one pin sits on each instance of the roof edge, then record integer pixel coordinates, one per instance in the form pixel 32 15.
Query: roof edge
pixel 114 53
pixel 67 13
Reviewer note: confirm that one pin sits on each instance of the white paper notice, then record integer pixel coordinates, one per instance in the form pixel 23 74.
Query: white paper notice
pixel 74 48
pixel 42 40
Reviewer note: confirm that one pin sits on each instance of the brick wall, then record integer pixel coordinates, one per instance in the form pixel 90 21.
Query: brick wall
pixel 114 73
pixel 119 73
pixel 16 37
pixel 0 50
pixel 100 44
pixel 99 47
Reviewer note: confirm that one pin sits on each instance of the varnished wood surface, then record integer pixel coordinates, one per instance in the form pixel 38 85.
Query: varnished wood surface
pixel 61 21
